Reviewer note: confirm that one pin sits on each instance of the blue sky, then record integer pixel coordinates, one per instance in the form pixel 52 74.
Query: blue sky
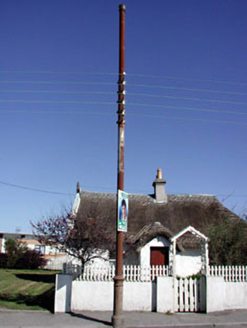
pixel 186 101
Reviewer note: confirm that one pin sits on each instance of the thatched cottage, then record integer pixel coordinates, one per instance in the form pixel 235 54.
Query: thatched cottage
pixel 155 220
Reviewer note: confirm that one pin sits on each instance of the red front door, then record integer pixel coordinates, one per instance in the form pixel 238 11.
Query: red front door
pixel 159 256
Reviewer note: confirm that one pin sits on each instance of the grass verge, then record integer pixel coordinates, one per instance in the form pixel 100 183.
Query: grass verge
pixel 27 289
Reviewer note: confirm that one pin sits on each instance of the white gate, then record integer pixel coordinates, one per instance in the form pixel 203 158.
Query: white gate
pixel 190 295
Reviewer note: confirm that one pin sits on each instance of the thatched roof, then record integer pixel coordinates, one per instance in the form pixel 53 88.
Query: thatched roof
pixel 174 215
pixel 149 232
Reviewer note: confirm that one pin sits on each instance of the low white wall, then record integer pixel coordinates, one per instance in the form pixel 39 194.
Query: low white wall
pixel 235 295
pixel 165 294
pixel 92 296
pixel 98 296
pixel 143 296
pixel 63 293
pixel 138 296
pixel 223 295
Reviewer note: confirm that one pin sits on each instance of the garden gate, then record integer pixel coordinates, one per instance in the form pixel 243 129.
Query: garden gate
pixel 190 295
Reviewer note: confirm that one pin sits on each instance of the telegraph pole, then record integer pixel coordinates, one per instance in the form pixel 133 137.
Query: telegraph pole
pixel 117 318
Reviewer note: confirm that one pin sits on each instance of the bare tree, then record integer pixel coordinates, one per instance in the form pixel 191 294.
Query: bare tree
pixel 84 239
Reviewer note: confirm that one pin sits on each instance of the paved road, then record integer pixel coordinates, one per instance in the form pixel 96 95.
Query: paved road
pixel 30 319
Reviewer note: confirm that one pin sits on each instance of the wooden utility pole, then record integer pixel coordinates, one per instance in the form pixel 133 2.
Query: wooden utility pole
pixel 117 318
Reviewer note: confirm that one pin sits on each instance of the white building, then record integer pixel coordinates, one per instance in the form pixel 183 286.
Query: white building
pixel 54 257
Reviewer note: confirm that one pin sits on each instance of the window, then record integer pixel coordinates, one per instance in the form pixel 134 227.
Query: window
pixel 40 248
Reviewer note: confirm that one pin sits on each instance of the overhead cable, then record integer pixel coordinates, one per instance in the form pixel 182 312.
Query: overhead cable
pixel 55 72
pixel 57 102
pixel 208 80
pixel 187 89
pixel 59 72
pixel 129 94
pixel 186 98
pixel 57 82
pixel 59 91
pixel 130 84
pixel 131 104
pixel 34 189
pixel 190 109
pixel 86 112
pixel 86 186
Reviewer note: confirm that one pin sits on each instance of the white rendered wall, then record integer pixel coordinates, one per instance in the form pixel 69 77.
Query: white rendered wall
pixel 98 296
pixel 143 296
pixel 159 241
pixel 92 296
pixel 235 295
pixel 188 262
pixel 165 294
pixel 137 296
pixel 55 262
pixel 63 293
pixel 223 295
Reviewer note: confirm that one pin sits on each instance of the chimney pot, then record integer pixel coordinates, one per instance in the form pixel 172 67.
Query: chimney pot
pixel 159 174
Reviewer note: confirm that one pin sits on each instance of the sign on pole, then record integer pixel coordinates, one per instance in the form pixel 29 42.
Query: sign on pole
pixel 123 209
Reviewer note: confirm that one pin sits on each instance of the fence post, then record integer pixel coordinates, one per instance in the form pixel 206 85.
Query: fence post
pixel 203 294
pixel 64 268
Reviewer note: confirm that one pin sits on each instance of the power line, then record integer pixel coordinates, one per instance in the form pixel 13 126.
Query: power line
pixel 47 191
pixel 57 82
pixel 87 186
pixel 59 92
pixel 48 111
pixel 129 94
pixel 190 109
pixel 59 72
pixel 34 189
pixel 207 80
pixel 188 119
pixel 224 195
pixel 57 102
pixel 131 84
pixel 113 103
pixel 186 98
pixel 188 79
pixel 188 89
pixel 85 112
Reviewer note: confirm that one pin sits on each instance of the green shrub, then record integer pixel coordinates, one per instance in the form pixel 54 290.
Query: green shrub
pixel 3 260
pixel 14 250
pixel 228 244
pixel 18 256
pixel 31 259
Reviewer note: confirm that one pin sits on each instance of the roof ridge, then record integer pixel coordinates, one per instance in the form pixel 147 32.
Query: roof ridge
pixel 150 195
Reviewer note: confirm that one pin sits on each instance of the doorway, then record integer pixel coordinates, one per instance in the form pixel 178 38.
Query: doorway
pixel 159 256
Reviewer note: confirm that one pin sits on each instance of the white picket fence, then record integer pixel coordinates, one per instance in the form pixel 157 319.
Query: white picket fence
pixel 130 272
pixel 230 273
pixel 138 273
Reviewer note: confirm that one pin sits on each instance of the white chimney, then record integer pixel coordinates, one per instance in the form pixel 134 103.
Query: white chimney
pixel 159 188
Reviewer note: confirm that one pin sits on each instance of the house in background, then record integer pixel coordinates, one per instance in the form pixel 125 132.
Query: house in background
pixel 156 222
pixel 55 259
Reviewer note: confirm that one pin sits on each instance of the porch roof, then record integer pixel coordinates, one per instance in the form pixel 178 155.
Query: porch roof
pixel 189 237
